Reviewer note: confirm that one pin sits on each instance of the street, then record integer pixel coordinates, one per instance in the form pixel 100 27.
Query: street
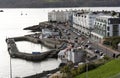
pixel 70 33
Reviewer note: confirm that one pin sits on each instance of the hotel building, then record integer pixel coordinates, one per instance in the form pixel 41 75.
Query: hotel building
pixel 60 16
pixel 105 26
pixel 83 21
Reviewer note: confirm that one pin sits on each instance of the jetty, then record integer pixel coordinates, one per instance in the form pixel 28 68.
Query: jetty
pixel 15 53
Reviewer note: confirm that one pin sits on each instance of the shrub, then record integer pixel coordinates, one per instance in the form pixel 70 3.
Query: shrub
pixel 81 68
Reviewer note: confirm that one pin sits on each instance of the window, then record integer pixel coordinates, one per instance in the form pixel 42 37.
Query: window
pixel 108 34
pixel 115 30
pixel 115 27
pixel 108 28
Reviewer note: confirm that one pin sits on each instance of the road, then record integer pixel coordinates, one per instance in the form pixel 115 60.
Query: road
pixel 95 45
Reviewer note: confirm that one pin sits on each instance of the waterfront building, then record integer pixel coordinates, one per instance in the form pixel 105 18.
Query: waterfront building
pixel 83 21
pixel 105 26
pixel 60 16
pixel 52 16
pixel 75 55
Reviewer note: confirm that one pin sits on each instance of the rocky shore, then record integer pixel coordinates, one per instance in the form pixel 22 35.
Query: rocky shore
pixel 39 27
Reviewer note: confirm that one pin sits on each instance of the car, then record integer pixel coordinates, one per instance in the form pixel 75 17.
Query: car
pixel 76 37
pixel 102 56
pixel 97 51
pixel 86 45
pixel 88 42
pixel 101 53
pixel 78 34
pixel 68 33
pixel 89 47
pixel 65 31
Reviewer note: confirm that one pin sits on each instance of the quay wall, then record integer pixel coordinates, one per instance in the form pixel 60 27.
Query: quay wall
pixel 15 53
pixel 50 43
pixel 27 38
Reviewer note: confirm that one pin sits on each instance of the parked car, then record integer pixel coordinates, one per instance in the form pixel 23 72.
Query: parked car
pixel 88 42
pixel 65 31
pixel 68 33
pixel 89 47
pixel 101 53
pixel 97 51
pixel 86 45
pixel 78 34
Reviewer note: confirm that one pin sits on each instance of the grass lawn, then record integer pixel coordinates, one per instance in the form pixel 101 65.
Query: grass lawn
pixel 108 70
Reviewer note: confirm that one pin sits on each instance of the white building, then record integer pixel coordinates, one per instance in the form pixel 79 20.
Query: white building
pixel 72 54
pixel 76 55
pixel 83 21
pixel 105 26
pixel 52 16
pixel 60 16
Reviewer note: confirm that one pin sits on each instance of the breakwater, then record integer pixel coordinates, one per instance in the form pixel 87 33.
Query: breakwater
pixel 50 43
pixel 15 53
pixel 27 38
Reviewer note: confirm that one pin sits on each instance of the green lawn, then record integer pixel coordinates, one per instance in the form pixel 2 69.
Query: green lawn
pixel 108 70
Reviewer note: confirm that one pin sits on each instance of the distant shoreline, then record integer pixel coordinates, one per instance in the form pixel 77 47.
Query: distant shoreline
pixel 58 4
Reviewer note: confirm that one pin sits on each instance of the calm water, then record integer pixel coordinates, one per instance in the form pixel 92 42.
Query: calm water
pixel 11 25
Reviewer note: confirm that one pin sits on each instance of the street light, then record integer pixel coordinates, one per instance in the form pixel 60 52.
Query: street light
pixel 86 68
pixel 10 68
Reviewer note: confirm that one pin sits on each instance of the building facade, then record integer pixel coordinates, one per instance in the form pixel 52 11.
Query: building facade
pixel 105 26
pixel 83 21
pixel 73 55
pixel 60 16
pixel 76 55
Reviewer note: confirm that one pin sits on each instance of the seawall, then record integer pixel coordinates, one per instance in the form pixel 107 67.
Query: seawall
pixel 51 43
pixel 15 53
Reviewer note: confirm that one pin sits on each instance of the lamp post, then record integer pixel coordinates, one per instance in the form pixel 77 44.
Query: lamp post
pixel 10 68
pixel 86 69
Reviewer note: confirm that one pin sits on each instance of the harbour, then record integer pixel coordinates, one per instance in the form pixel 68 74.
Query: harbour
pixel 14 28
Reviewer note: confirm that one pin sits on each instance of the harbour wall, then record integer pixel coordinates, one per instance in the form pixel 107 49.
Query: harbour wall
pixel 15 53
